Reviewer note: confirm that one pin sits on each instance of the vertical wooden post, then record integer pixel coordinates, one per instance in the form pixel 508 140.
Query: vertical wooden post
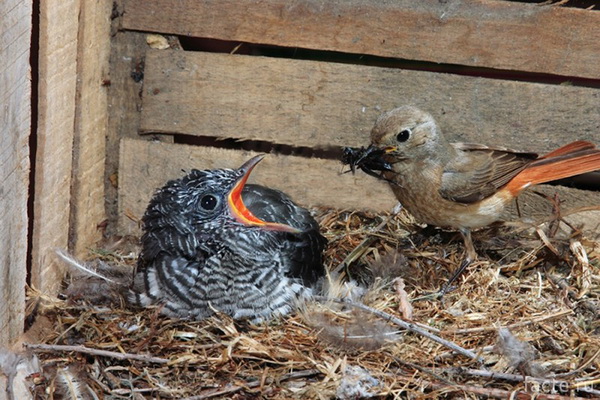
pixel 59 23
pixel 73 116
pixel 15 128
pixel 91 121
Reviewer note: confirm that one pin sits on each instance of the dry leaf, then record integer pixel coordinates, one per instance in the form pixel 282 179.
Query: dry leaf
pixel 404 305
pixel 583 270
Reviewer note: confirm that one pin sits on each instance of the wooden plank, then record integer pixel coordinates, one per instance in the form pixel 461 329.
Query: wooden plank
pixel 91 121
pixel 146 166
pixel 480 33
pixel 317 104
pixel 56 121
pixel 15 128
pixel 128 53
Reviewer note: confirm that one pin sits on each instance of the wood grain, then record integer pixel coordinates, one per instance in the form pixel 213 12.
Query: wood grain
pixel 128 53
pixel 56 122
pixel 15 128
pixel 91 121
pixel 481 33
pixel 145 166
pixel 317 104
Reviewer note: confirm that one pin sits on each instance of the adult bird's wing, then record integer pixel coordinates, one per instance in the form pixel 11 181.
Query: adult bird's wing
pixel 479 171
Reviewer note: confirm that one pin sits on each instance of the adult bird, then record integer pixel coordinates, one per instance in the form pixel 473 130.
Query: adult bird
pixel 463 186
pixel 212 243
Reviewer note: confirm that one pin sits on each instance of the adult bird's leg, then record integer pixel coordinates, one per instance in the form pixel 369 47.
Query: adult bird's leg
pixel 470 256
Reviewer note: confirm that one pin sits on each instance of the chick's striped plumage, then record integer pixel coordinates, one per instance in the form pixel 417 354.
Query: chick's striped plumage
pixel 198 258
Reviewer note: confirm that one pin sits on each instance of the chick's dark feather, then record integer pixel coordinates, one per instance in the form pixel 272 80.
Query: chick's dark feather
pixel 304 249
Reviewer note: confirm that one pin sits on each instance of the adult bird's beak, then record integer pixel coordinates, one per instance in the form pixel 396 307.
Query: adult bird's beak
pixel 238 208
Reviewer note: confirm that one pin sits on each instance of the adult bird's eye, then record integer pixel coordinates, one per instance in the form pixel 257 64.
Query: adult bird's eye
pixel 404 135
pixel 208 202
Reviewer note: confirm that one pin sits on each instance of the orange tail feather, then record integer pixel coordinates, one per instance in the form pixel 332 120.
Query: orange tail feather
pixel 573 159
pixel 578 145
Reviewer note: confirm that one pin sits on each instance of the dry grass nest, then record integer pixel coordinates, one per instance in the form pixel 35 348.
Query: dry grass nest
pixel 528 310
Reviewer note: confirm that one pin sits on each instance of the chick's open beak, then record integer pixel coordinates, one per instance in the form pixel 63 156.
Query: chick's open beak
pixel 239 210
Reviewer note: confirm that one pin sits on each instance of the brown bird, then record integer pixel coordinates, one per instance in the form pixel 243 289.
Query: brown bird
pixel 459 185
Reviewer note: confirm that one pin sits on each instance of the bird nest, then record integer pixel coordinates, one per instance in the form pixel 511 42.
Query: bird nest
pixel 523 320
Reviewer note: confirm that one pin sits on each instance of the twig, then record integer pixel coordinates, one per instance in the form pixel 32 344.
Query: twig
pixel 511 326
pixel 229 389
pixel 449 354
pixel 423 370
pixel 405 325
pixel 96 352
pixel 563 214
pixel 581 367
pixel 500 393
pixel 575 211
pixel 550 380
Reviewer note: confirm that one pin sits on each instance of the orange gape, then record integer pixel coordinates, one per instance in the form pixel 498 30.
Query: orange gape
pixel 459 185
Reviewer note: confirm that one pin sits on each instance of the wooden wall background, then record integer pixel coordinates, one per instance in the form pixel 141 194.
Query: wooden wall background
pixel 314 103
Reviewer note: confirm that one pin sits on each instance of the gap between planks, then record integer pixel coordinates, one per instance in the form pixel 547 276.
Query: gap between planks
pixel 481 33
pixel 323 105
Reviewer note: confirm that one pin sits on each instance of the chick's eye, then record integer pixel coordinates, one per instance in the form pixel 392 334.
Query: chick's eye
pixel 403 135
pixel 208 202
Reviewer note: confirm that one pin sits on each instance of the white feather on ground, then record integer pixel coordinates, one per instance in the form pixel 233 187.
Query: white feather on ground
pixel 520 354
pixel 347 327
pixel 17 368
pixel 357 383
pixel 71 385
pixel 96 282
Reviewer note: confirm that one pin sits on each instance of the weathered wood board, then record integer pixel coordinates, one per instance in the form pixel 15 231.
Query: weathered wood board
pixel 146 166
pixel 128 50
pixel 318 104
pixel 481 33
pixel 56 122
pixel 15 128
pixel 91 121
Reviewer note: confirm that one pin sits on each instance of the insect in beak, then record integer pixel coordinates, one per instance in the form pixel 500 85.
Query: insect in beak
pixel 369 160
